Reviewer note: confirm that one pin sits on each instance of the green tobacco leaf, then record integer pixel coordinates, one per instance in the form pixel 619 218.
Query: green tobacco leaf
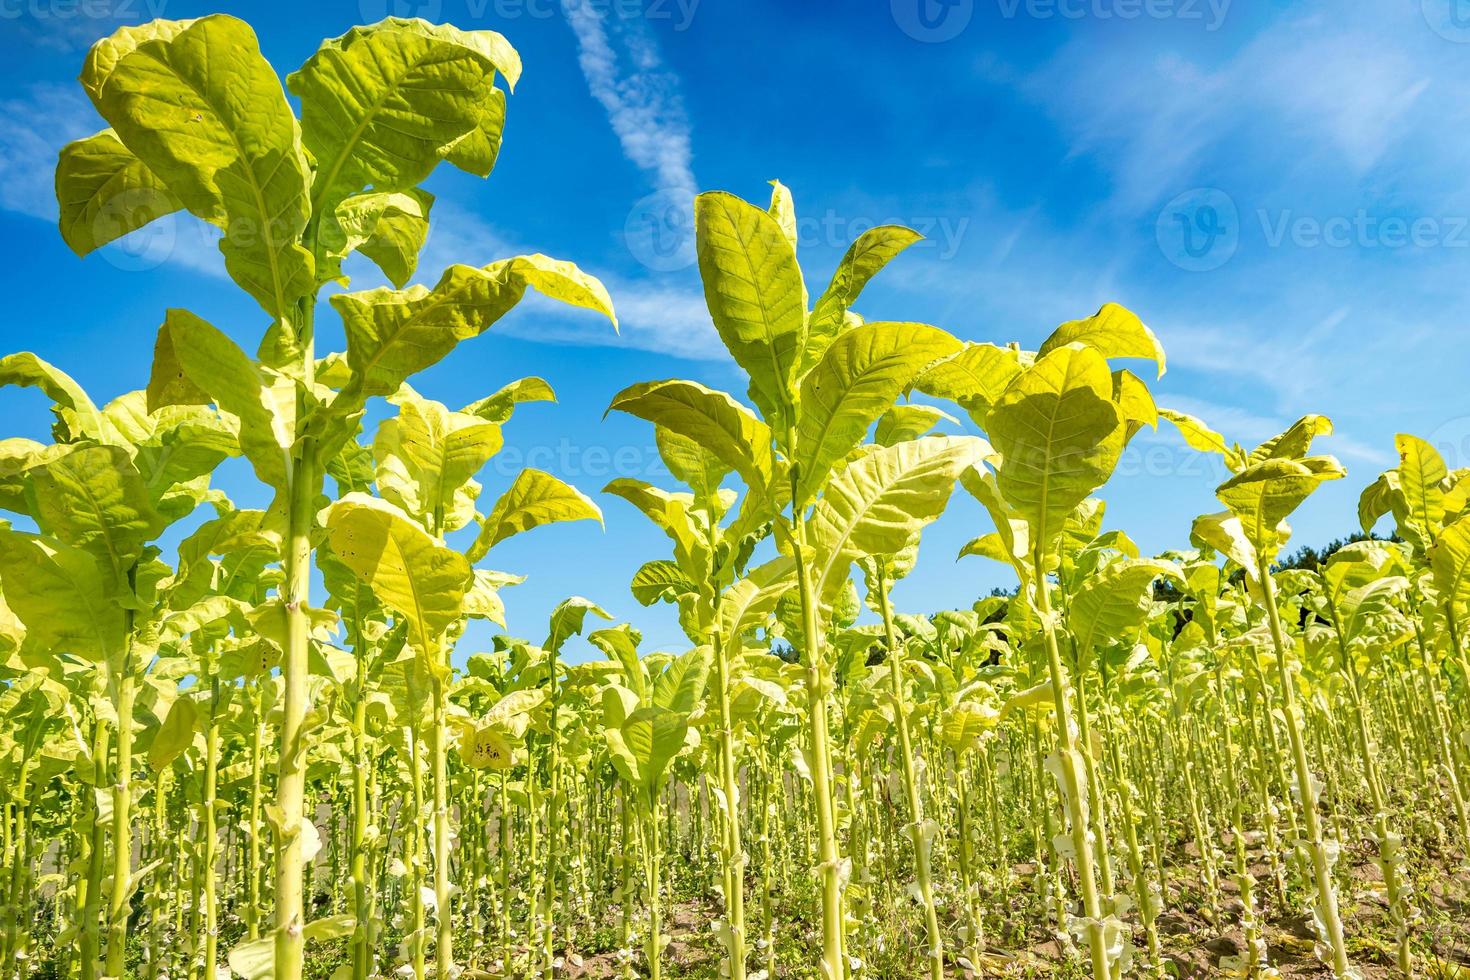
pixel 1059 437
pixel 254 959
pixel 1112 331
pixel 205 113
pixel 749 602
pixel 1295 442
pixel 1113 603
pixel 499 406
pixel 103 192
pixel 650 737
pixel 168 382
pixel 1225 533
pixel 1379 498
pixel 388 228
pixel 690 462
pixel 858 379
pixel 1421 472
pixel 783 209
pixel 264 402
pixel 567 619
pixel 427 457
pixel 176 734
pixel 711 418
pixel 755 295
pixel 620 643
pixel 991 546
pixel 962 725
pixel 16 457
pixel 534 499
pixel 328 928
pixel 26 370
pixel 93 498
pixel 865 257
pixel 235 532
pixel 1370 607
pixel 382 105
pixel 1264 494
pixel 482 599
pixel 1198 435
pixel 393 334
pixel 673 513
pixel 879 502
pixel 407 569
pixel 660 580
pixel 974 378
pixel 1134 402
pixel 1449 557
pixel 512 710
pixel 904 422
pixel 57 591
pixel 681 684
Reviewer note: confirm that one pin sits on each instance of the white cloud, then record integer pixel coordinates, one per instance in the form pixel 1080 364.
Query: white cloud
pixel 1345 86
pixel 625 73
pixel 38 123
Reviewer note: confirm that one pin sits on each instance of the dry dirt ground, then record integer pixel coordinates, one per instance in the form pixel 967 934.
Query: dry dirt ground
pixel 1193 945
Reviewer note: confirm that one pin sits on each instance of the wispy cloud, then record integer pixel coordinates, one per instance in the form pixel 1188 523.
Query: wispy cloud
pixel 625 73
pixel 42 120
pixel 38 123
pixel 1345 87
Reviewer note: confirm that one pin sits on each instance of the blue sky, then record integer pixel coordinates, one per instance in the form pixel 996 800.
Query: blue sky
pixel 1281 191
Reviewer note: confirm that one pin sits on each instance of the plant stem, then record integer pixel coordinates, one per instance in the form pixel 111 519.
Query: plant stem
pixel 911 783
pixel 1071 781
pixel 1322 869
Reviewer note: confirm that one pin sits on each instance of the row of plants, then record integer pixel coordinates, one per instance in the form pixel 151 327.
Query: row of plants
pixel 250 741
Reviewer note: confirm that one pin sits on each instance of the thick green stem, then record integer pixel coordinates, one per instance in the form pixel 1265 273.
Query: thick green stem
pixel 1306 790
pixel 419 935
pixel 122 838
pixel 362 952
pixel 652 859
pixel 916 826
pixel 732 857
pixel 290 915
pixel 818 684
pixel 443 913
pixel 1071 780
pixel 210 830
